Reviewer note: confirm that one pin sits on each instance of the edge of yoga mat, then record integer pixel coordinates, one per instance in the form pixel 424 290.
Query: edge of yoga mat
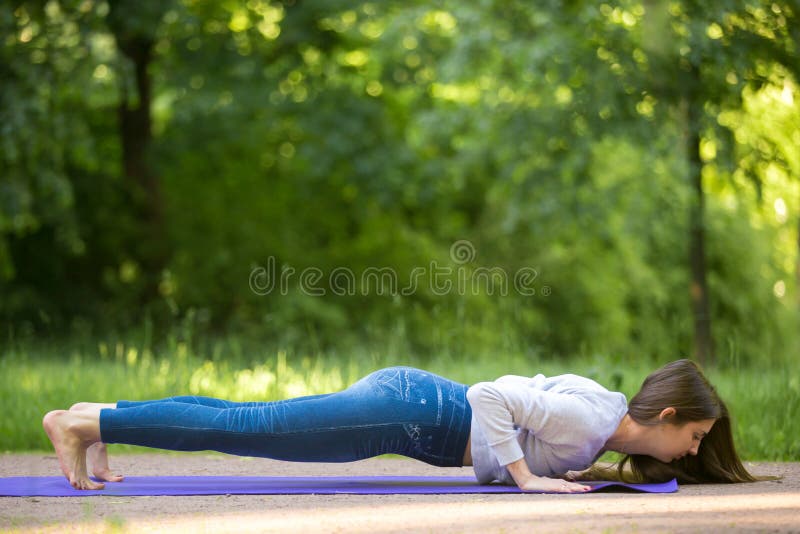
pixel 254 485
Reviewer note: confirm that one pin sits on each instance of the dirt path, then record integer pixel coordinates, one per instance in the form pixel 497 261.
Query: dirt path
pixel 766 506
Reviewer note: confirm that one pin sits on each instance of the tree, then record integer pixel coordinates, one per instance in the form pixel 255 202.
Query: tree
pixel 135 26
pixel 702 57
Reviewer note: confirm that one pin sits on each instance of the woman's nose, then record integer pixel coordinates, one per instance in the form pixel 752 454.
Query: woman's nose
pixel 693 450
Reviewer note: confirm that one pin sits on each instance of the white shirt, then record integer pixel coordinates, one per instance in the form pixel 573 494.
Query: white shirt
pixel 557 424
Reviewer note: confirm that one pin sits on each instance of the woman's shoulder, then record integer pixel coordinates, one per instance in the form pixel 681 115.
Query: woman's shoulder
pixel 555 382
pixel 583 386
pixel 572 380
pixel 570 384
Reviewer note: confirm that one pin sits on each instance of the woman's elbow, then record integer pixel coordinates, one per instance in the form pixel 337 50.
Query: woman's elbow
pixel 475 392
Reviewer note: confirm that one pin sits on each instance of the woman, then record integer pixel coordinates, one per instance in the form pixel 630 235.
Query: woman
pixel 526 431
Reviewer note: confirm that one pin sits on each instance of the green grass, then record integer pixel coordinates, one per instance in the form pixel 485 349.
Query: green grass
pixel 765 402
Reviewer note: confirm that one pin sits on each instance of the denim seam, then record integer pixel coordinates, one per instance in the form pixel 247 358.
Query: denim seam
pixel 205 429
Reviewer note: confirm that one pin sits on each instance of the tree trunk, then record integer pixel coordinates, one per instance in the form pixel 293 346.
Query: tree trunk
pixel 703 342
pixel 136 139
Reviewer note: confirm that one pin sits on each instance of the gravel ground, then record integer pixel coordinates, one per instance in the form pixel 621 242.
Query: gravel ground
pixel 772 506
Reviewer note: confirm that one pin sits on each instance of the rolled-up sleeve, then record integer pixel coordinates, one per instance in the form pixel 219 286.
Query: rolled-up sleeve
pixel 509 403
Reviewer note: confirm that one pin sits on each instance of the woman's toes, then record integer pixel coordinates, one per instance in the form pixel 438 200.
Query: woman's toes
pixel 108 476
pixel 87 484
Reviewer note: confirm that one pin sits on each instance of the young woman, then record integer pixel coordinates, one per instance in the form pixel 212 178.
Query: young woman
pixel 539 433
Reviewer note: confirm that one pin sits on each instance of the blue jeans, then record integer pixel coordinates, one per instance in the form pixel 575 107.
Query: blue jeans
pixel 399 410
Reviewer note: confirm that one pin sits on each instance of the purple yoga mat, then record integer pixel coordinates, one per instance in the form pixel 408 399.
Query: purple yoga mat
pixel 238 485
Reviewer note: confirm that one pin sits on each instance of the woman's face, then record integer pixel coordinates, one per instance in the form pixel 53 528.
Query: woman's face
pixel 673 441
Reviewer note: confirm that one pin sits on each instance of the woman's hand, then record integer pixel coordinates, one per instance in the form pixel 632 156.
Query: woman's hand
pixel 554 485
pixel 527 481
pixel 572 476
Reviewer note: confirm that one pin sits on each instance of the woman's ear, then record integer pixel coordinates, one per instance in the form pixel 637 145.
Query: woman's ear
pixel 667 413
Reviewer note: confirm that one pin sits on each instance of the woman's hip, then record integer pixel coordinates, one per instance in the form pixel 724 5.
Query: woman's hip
pixel 433 409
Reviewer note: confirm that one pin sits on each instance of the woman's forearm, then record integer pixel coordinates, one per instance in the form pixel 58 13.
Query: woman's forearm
pixel 519 472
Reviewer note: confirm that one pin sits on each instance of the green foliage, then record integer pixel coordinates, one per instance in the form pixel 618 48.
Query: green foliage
pixel 345 135
pixel 35 191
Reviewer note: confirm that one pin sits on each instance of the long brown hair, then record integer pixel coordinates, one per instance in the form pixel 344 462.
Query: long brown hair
pixel 682 385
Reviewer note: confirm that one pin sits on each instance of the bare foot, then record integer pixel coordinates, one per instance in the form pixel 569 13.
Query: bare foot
pixel 61 427
pixel 97 453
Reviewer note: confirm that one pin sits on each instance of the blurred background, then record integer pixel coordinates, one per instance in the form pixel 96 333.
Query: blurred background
pixel 169 170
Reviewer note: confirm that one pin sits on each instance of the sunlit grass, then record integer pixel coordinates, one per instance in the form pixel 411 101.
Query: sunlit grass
pixel 765 402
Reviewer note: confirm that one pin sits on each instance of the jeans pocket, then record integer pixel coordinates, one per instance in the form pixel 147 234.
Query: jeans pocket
pixel 406 384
